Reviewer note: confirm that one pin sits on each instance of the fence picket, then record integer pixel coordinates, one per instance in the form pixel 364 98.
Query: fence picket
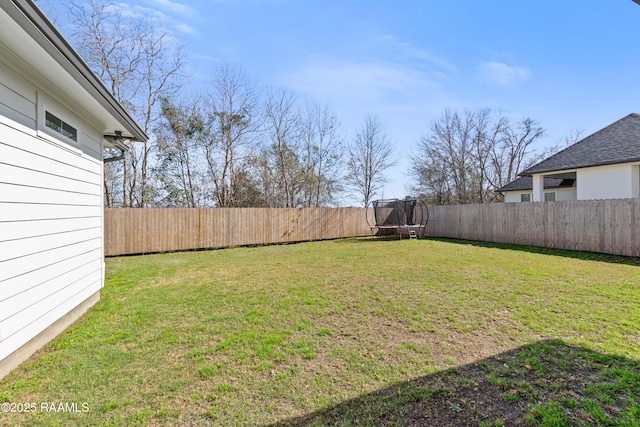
pixel 139 231
pixel 608 226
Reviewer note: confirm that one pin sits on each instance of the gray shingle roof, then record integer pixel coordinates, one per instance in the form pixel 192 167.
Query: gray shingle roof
pixel 526 183
pixel 617 143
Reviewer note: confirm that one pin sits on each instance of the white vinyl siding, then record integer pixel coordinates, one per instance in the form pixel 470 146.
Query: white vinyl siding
pixel 91 146
pixel 16 107
pixel 45 319
pixel 51 182
pixel 21 102
pixel 51 256
pixel 17 98
pixel 84 141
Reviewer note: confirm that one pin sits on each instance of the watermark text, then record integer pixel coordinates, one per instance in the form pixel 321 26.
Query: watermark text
pixel 49 407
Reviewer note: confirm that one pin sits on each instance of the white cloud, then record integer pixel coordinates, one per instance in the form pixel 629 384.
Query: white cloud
pixel 502 74
pixel 403 97
pixel 361 82
pixel 175 7
pixel 412 51
pixel 163 12
pixel 186 29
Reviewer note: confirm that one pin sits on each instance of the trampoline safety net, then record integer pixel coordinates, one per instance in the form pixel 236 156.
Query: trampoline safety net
pixel 395 213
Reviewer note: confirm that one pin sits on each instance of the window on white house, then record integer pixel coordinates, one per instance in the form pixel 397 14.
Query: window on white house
pixel 63 128
pixel 526 197
pixel 550 197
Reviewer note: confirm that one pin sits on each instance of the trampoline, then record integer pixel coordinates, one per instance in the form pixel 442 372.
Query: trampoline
pixel 396 217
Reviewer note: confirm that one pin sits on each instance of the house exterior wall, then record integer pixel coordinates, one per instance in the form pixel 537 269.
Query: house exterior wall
pixel 635 181
pixel 514 196
pixel 565 194
pixel 607 182
pixel 51 213
pixel 562 194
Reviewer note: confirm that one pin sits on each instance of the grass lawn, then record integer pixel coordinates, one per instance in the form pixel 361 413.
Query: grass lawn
pixel 349 332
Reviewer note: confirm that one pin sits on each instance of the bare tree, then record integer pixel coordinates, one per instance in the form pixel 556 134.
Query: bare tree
pixel 451 151
pixel 282 122
pixel 112 174
pixel 571 138
pixel 370 155
pixel 431 181
pixel 466 157
pixel 261 162
pixel 234 121
pixel 321 156
pixel 484 136
pixel 140 63
pixel 515 150
pixel 574 136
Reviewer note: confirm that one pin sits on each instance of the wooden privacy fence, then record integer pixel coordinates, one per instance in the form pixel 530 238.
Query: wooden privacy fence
pixel 138 231
pixel 607 226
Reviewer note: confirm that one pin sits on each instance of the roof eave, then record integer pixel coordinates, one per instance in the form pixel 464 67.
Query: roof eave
pixel 38 26
pixel 528 172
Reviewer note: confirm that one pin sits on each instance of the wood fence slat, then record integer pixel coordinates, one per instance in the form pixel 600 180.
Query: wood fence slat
pixel 635 229
pixel 608 226
pixel 139 231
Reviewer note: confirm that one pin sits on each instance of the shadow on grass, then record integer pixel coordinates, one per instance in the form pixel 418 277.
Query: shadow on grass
pixel 546 383
pixel 592 256
pixel 370 239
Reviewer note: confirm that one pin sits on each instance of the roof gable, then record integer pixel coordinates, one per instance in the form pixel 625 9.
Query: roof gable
pixel 617 143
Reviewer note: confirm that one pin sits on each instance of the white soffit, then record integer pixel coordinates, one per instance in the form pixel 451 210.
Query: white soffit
pixel 62 80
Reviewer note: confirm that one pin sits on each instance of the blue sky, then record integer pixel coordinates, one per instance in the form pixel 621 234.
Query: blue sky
pixel 568 64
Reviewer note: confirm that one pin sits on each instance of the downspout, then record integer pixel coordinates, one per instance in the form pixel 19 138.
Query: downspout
pixel 114 159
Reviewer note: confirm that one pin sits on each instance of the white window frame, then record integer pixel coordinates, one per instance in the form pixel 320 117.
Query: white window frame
pixel 522 196
pixel 64 126
pixel 550 193
pixel 46 104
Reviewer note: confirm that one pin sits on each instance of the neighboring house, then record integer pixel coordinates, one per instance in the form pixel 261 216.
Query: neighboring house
pixel 605 165
pixel 56 118
pixel 555 189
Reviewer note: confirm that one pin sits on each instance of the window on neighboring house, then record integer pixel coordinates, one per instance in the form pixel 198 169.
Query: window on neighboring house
pixel 526 197
pixel 550 197
pixel 63 128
